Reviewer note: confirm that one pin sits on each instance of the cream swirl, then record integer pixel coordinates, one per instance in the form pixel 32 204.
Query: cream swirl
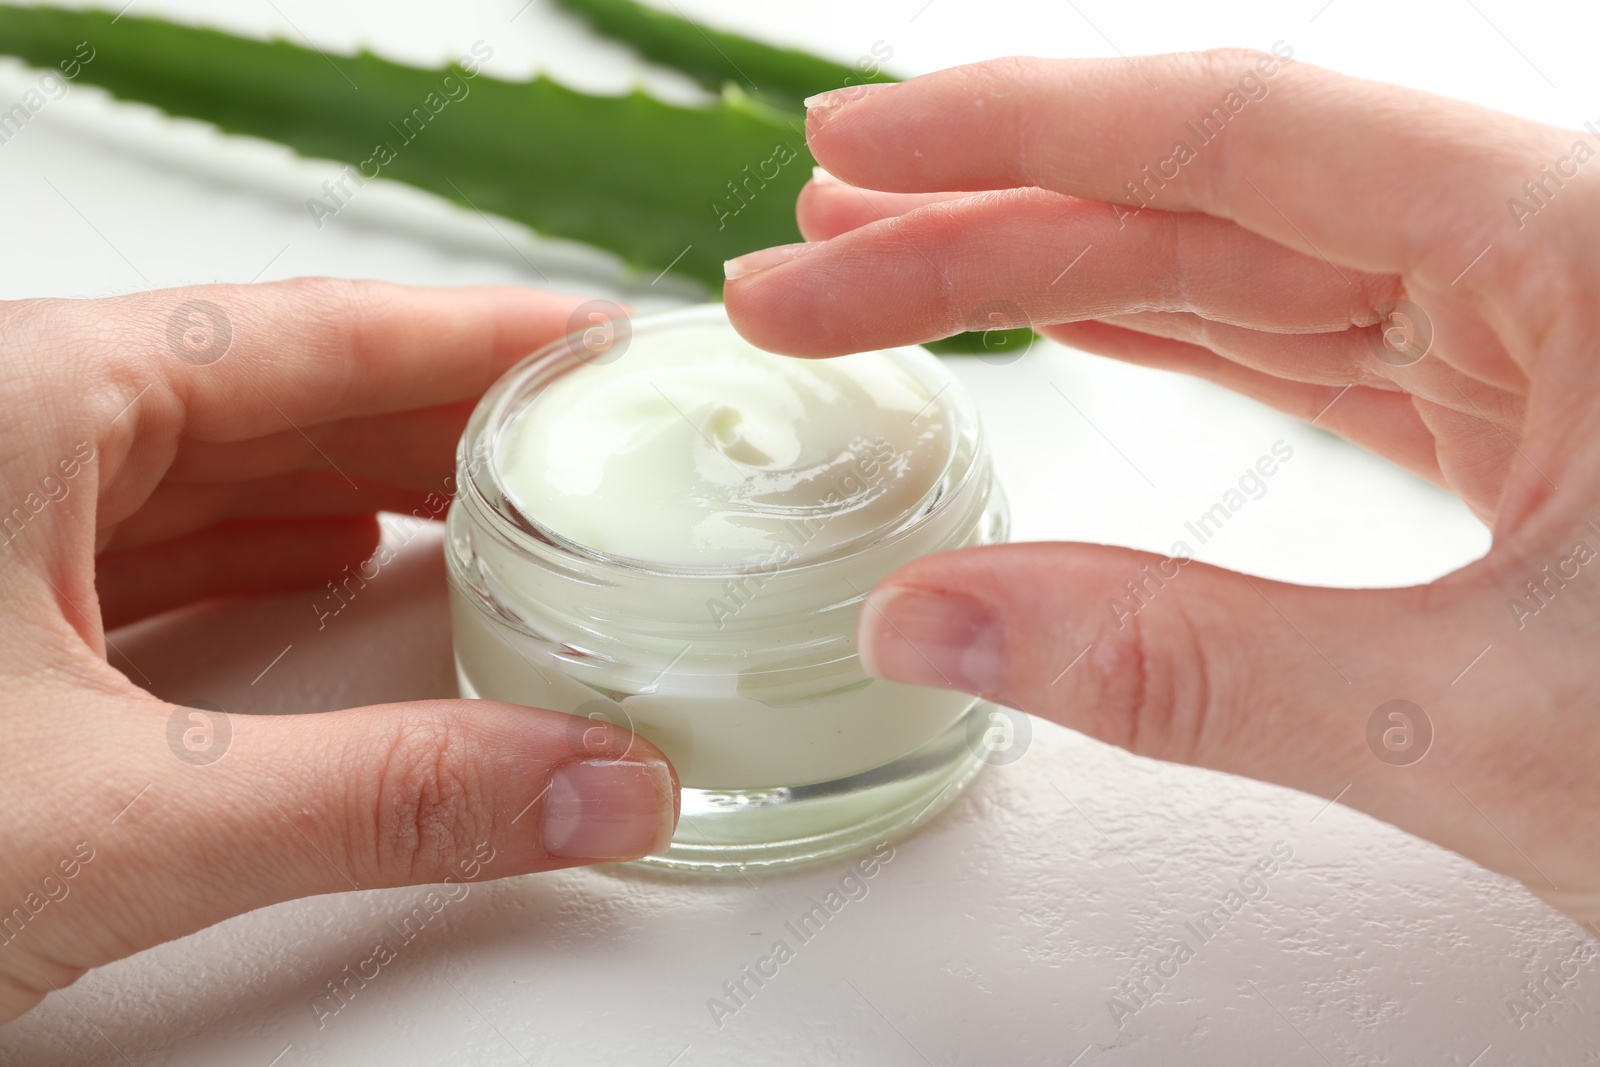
pixel 700 449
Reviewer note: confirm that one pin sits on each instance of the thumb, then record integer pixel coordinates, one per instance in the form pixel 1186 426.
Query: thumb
pixel 1166 657
pixel 233 812
pixel 1321 690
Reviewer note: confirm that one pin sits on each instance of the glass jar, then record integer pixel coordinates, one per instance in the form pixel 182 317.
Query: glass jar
pixel 744 674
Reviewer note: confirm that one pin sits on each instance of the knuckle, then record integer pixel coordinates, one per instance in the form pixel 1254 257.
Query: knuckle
pixel 996 80
pixel 1147 682
pixel 431 802
pixel 340 325
pixel 1189 246
pixel 1221 83
pixel 332 308
pixel 1228 60
pixel 1005 72
pixel 337 306
pixel 317 291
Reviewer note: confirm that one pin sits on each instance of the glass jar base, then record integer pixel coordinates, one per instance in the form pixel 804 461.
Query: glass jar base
pixel 736 829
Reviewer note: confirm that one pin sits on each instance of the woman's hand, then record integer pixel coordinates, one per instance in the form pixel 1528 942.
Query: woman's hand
pixel 229 440
pixel 1417 275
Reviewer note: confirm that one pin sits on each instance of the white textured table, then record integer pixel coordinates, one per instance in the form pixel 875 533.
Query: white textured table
pixel 1004 932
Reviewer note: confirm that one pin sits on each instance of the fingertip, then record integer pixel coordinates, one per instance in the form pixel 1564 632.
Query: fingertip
pixel 811 300
pixel 823 104
pixel 606 794
pixel 609 810
pixel 820 176
pixel 925 635
pixel 818 207
pixel 768 295
pixel 764 259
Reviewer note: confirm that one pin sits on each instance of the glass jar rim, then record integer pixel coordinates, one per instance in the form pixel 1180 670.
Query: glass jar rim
pixel 520 386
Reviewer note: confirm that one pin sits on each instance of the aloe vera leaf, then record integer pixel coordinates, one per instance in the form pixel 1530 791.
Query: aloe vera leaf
pixel 659 185
pixel 783 77
pixel 780 76
pixel 663 187
pixel 998 345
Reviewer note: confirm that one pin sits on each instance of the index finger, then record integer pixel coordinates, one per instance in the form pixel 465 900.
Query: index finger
pixel 1374 177
pixel 229 363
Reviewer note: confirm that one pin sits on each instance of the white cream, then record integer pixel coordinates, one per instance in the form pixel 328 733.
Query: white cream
pixel 706 520
pixel 712 453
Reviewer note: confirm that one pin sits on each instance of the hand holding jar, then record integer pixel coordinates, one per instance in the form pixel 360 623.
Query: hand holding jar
pixel 171 446
pixel 1417 275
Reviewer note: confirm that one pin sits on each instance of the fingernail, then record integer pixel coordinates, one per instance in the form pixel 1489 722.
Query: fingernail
pixel 839 97
pixel 920 637
pixel 763 258
pixel 608 810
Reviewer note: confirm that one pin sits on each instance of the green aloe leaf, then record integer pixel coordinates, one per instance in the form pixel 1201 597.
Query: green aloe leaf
pixel 782 77
pixel 664 187
pixel 657 184
pixel 997 344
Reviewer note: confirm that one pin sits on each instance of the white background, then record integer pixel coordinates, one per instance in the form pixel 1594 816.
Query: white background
pixel 998 934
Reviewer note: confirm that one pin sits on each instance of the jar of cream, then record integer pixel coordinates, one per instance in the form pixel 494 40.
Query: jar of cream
pixel 667 528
